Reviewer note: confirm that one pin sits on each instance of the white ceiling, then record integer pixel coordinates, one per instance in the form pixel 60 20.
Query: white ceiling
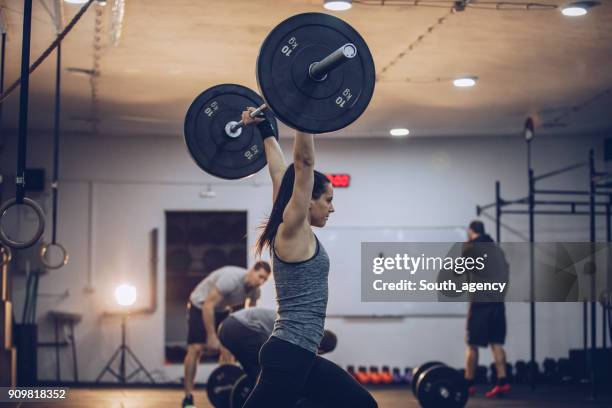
pixel 535 62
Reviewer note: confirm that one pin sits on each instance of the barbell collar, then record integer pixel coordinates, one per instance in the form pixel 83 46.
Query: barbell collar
pixel 318 70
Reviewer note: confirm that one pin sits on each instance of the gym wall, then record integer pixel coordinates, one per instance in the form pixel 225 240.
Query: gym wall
pixel 409 182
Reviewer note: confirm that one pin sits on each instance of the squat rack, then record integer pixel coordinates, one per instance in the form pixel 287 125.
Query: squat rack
pixel 600 185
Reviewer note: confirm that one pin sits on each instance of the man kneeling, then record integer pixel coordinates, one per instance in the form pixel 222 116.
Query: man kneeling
pixel 245 331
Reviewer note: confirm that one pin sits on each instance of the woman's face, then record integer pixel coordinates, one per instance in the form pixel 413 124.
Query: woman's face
pixel 322 207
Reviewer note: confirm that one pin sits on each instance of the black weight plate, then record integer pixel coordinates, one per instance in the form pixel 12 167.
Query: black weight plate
pixel 241 391
pixel 297 100
pixel 220 384
pixel 442 387
pixel 211 148
pixel 417 371
pixel 306 403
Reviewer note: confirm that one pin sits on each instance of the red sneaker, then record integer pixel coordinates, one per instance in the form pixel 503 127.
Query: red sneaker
pixel 472 390
pixel 498 391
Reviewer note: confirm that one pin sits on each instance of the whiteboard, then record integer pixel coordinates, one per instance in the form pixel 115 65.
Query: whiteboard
pixel 343 245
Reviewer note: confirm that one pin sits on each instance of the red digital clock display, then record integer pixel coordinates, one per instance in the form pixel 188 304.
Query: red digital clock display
pixel 339 180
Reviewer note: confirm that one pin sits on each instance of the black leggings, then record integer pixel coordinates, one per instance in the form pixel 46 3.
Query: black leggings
pixel 244 343
pixel 289 372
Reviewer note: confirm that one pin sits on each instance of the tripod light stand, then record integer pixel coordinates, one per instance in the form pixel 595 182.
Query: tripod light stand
pixel 125 296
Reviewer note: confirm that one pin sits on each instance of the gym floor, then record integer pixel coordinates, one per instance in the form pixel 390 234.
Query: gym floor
pixel 522 397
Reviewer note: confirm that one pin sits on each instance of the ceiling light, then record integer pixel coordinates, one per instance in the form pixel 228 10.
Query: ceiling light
pixel 465 82
pixel 76 1
pixel 399 132
pixel 573 11
pixel 337 5
pixel 578 8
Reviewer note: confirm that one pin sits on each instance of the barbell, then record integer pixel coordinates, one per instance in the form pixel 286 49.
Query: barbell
pixel 316 75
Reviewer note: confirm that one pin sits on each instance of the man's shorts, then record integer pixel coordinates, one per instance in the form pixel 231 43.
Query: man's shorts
pixel 486 324
pixel 196 332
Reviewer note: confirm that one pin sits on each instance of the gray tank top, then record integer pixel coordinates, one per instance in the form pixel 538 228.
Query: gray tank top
pixel 301 296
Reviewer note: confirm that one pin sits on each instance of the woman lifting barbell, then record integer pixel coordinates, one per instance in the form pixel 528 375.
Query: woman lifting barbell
pixel 290 366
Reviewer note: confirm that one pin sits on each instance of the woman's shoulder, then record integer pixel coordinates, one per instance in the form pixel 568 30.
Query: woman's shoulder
pixel 294 246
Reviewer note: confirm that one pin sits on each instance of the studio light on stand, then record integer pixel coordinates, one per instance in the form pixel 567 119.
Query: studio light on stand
pixel 125 296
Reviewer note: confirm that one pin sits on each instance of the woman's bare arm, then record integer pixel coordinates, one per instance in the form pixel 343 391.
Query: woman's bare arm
pixel 273 151
pixel 295 216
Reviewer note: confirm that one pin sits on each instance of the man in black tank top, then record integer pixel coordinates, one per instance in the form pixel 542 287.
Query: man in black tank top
pixel 486 322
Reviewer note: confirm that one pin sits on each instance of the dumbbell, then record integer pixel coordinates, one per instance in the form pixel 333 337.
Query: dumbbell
pixel 398 378
pixel 564 368
pixel 407 376
pixel 386 376
pixel 533 372
pixel 375 377
pixel 520 369
pixel 551 372
pixel 362 375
